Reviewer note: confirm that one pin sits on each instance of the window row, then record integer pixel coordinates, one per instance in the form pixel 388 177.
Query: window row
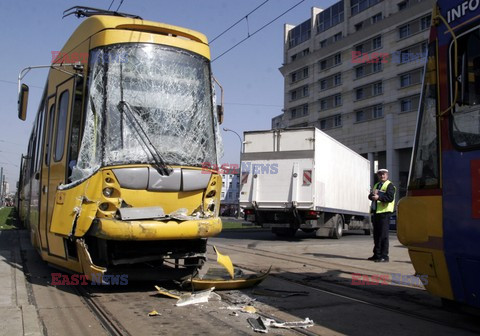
pixel 368 22
pixel 300 33
pixel 369 45
pixel 335 38
pixel 331 102
pixel 330 81
pixel 369 90
pixel 330 17
pixel 358 6
pixel 369 113
pixel 367 69
pixel 299 111
pixel 301 92
pixel 414 53
pixel 330 61
pixel 411 78
pixel 299 75
pixel 330 122
pixel 409 104
pixel 300 54
pixel 414 26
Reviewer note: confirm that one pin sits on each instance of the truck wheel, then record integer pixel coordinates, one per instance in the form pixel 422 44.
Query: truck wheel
pixel 338 229
pixel 284 232
pixel 367 232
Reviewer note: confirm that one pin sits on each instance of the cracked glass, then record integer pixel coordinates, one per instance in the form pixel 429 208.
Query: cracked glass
pixel 169 94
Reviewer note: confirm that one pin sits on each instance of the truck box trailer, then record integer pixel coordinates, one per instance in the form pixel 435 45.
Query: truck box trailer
pixel 301 178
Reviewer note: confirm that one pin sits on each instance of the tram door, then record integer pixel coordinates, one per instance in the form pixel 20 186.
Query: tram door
pixel 54 166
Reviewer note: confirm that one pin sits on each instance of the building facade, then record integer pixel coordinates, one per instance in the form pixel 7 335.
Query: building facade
pixel 354 70
pixel 229 198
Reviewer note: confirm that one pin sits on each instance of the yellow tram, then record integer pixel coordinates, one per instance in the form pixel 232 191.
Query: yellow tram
pixel 113 182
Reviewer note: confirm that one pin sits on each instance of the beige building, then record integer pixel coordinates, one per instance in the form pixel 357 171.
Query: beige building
pixel 354 70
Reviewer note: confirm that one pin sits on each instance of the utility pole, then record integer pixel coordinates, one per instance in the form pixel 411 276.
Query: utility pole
pixel 2 178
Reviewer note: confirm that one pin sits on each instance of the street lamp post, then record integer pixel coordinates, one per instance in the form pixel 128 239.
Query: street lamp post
pixel 239 161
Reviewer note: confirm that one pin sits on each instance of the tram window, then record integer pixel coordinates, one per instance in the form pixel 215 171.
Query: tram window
pixel 40 134
pixel 425 169
pixel 75 127
pixel 465 121
pixel 61 125
pixel 49 135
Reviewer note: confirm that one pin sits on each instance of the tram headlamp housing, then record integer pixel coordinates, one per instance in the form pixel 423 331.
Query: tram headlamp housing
pixel 107 192
pixel 103 206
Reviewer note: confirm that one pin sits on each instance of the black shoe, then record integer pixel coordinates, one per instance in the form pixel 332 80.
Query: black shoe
pixel 382 260
pixel 374 258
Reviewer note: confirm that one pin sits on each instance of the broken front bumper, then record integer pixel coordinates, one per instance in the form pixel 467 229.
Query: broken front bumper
pixel 114 229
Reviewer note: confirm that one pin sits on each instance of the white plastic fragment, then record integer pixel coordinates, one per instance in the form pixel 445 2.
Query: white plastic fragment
pixel 295 324
pixel 198 297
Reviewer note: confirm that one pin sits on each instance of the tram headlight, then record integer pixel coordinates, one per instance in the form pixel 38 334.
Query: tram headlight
pixel 107 192
pixel 103 206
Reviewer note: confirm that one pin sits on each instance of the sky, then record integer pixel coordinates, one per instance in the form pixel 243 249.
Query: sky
pixel 253 85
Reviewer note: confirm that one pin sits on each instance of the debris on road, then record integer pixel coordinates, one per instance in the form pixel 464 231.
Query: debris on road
pixel 295 324
pixel 154 313
pixel 169 292
pixel 198 297
pixel 258 325
pixel 221 279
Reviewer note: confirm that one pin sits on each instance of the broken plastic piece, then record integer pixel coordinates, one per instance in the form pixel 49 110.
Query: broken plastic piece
pixel 249 309
pixel 258 325
pixel 170 293
pixel 295 324
pixel 199 297
pixel 181 214
pixel 225 261
pixel 154 313
pixel 214 279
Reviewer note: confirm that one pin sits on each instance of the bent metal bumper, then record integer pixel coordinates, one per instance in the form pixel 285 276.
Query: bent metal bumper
pixel 114 229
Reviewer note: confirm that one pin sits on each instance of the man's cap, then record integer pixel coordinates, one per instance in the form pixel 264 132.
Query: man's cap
pixel 383 170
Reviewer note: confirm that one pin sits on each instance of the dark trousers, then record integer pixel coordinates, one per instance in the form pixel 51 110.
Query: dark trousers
pixel 381 224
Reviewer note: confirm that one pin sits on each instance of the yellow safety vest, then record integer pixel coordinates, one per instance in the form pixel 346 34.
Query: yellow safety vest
pixel 385 206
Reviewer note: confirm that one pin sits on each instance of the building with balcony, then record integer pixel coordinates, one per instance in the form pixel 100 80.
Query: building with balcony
pixel 354 70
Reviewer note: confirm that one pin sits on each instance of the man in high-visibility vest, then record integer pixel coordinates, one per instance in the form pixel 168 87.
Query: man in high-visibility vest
pixel 383 205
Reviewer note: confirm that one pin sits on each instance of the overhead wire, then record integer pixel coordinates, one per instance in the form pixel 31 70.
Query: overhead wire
pixel 110 5
pixel 121 2
pixel 258 30
pixel 236 23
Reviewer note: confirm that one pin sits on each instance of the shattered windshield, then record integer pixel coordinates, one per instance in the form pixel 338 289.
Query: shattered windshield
pixel 169 92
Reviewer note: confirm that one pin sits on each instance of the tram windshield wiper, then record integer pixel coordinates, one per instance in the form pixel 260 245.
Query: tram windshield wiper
pixel 160 164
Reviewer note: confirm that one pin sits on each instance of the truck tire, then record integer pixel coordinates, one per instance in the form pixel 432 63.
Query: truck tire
pixel 338 229
pixel 367 232
pixel 284 232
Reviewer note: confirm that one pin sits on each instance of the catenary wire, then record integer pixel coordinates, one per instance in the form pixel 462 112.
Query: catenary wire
pixel 258 30
pixel 233 25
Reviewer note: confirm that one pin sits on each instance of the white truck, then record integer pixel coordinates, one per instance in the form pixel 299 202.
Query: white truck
pixel 301 178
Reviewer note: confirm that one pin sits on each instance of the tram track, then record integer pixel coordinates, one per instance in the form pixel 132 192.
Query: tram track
pixel 338 288
pixel 112 326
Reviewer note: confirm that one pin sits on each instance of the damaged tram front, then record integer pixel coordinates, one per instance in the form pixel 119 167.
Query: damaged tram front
pixel 113 180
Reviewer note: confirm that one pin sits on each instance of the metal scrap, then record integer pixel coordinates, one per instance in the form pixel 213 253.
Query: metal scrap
pixel 258 325
pixel 295 324
pixel 198 297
